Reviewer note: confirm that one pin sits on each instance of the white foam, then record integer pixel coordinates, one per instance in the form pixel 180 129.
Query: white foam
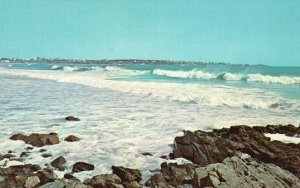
pixel 185 74
pixel 229 76
pixel 283 138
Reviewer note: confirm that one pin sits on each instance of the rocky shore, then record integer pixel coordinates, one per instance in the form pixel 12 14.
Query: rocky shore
pixel 239 156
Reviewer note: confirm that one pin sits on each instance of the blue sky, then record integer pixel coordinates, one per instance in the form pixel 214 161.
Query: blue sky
pixel 236 31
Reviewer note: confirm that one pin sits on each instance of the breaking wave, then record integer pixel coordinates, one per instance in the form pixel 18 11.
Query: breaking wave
pixel 198 74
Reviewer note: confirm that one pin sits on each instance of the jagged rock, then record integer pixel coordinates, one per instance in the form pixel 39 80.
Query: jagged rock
pixel 237 171
pixel 243 172
pixel 70 177
pixel 37 140
pixel 288 130
pixel 59 163
pixel 32 182
pixel 46 175
pixel 82 166
pixel 158 181
pixel 205 148
pixel 104 180
pixel 16 176
pixel 72 118
pixel 132 184
pixel 65 183
pixel 127 174
pixel 72 138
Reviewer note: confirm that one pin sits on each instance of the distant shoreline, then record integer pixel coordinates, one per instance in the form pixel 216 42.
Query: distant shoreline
pixel 117 61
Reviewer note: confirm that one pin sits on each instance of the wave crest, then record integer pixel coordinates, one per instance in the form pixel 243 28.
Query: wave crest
pixel 198 74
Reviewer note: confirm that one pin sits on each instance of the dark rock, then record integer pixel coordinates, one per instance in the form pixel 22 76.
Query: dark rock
pixel 164 157
pixel 72 138
pixel 59 163
pixel 237 171
pixel 42 150
pixel 157 180
pixel 104 180
pixel 147 154
pixel 29 148
pixel 72 118
pixel 205 148
pixel 24 154
pixel 1 157
pixel 82 166
pixel 16 176
pixel 70 177
pixel 8 156
pixel 46 175
pixel 127 174
pixel 37 140
pixel 288 130
pixel 10 151
pixel 46 155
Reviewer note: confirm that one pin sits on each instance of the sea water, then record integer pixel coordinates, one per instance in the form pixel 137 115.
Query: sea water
pixel 126 110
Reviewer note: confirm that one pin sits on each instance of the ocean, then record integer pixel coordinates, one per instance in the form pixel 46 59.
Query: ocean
pixel 129 109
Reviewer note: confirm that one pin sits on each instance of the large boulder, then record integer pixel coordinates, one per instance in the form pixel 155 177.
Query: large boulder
pixel 205 148
pixel 72 138
pixel 59 163
pixel 127 174
pixel 37 140
pixel 82 166
pixel 104 180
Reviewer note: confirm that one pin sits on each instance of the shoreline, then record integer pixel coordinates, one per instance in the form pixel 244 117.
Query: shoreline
pixel 206 151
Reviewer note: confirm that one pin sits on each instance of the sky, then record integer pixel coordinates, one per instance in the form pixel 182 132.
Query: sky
pixel 234 31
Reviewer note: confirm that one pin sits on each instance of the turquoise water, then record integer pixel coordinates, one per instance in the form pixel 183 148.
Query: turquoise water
pixel 126 110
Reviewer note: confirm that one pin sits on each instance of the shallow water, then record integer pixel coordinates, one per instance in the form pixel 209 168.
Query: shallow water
pixel 126 111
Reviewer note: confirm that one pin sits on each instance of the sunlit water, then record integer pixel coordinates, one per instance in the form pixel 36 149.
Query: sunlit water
pixel 128 110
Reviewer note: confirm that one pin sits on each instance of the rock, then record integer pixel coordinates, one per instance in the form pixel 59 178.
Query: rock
pixel 29 148
pixel 205 148
pixel 46 175
pixel 70 177
pixel 164 157
pixel 72 118
pixel 104 180
pixel 32 181
pixel 59 163
pixel 37 140
pixel 24 154
pixel 16 176
pixel 237 171
pixel 72 138
pixel 288 130
pixel 127 174
pixel 82 166
pixel 8 156
pixel 46 155
pixel 1 157
pixel 132 184
pixel 42 150
pixel 147 154
pixel 240 172
pixel 65 183
pixel 157 180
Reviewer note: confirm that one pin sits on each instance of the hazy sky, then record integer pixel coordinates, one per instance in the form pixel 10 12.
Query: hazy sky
pixel 236 31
